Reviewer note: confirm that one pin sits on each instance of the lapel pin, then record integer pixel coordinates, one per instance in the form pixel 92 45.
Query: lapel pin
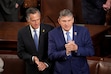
pixel 75 33
pixel 43 30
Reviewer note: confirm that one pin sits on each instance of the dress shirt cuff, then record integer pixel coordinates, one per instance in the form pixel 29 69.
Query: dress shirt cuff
pixel 68 54
pixel 76 51
pixel 46 64
pixel 33 58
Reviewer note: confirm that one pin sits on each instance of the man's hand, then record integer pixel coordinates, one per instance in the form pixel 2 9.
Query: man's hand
pixel 36 60
pixel 107 5
pixel 16 5
pixel 71 46
pixel 41 66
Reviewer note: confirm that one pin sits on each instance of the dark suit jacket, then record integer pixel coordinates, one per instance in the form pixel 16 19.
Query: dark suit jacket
pixel 93 11
pixel 8 6
pixel 77 63
pixel 8 11
pixel 26 48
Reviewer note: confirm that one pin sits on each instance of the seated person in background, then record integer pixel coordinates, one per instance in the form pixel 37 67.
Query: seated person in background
pixel 68 46
pixel 32 44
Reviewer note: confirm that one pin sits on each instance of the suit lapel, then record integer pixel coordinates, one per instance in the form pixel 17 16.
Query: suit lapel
pixel 41 38
pixel 30 38
pixel 61 35
pixel 74 33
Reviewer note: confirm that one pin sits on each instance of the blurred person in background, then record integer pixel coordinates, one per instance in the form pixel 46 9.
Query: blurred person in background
pixel 94 11
pixel 9 10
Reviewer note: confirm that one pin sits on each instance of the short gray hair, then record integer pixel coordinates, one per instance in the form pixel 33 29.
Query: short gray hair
pixel 65 12
pixel 31 10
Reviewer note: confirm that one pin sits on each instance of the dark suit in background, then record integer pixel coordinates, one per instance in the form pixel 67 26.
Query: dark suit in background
pixel 93 11
pixel 8 10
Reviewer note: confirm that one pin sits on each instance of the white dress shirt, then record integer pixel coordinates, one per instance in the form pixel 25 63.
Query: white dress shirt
pixel 70 33
pixel 37 31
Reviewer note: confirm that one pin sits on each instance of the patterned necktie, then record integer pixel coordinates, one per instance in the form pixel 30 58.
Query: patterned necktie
pixel 36 39
pixel 68 37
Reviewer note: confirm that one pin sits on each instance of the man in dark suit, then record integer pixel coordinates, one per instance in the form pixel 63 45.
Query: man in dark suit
pixel 9 10
pixel 94 11
pixel 69 45
pixel 36 58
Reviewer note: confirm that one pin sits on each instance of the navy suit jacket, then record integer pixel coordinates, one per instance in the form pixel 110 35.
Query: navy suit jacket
pixel 26 48
pixel 77 63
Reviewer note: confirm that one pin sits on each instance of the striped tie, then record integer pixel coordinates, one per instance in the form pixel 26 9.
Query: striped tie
pixel 36 39
pixel 68 37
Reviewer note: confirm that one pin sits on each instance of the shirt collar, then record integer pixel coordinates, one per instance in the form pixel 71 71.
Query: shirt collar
pixel 68 31
pixel 37 30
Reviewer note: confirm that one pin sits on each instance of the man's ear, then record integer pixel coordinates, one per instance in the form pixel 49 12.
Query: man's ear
pixel 58 20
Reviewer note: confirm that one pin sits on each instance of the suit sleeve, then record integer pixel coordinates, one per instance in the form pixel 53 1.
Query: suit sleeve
pixel 85 45
pixel 55 52
pixel 21 49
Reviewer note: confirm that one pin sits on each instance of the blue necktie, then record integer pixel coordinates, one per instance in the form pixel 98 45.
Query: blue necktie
pixel 68 39
pixel 36 39
pixel 68 36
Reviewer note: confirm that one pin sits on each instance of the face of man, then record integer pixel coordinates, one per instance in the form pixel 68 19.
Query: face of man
pixel 66 22
pixel 34 20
